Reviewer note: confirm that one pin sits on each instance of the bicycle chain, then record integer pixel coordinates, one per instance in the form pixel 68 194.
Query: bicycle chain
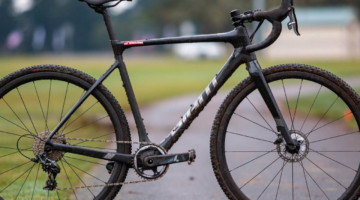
pixel 110 184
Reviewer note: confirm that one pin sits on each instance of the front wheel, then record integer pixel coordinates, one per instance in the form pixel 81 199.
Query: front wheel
pixel 32 103
pixel 249 157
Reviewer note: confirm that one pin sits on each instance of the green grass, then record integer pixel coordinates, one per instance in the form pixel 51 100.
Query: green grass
pixel 155 78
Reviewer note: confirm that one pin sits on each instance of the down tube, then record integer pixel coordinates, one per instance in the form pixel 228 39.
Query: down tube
pixel 228 69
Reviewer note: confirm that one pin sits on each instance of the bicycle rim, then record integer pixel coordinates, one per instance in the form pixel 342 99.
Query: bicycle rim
pixel 32 104
pixel 322 114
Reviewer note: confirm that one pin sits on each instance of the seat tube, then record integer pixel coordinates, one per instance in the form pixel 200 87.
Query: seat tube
pixel 132 101
pixel 256 74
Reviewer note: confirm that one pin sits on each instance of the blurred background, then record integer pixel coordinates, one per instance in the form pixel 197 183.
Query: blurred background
pixel 41 31
pixel 69 33
pixel 38 26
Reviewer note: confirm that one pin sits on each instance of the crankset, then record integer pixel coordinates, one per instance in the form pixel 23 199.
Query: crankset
pixel 152 161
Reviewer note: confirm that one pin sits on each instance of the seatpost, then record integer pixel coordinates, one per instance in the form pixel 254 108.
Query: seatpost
pixel 102 10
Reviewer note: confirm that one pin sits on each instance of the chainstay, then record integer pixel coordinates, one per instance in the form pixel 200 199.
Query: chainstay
pixel 110 141
pixel 109 184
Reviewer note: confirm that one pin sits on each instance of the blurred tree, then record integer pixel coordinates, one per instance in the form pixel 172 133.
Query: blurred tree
pixel 7 22
pixel 86 30
pixel 57 14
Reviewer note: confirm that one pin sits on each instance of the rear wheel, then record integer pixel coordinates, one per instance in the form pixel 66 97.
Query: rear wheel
pixel 32 102
pixel 251 161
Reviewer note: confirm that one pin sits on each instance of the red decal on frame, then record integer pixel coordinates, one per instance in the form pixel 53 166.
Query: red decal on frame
pixel 133 43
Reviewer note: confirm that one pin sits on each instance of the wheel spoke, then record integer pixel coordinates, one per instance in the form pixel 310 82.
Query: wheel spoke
pixel 316 183
pixel 27 176
pixel 78 117
pixel 329 123
pixel 334 137
pixel 25 129
pixel 84 160
pixel 36 177
pixel 272 180
pixel 322 117
pixel 97 137
pixel 16 178
pixel 287 102
pixel 261 115
pixel 342 164
pixel 47 109
pixel 296 106
pixel 15 152
pixel 41 107
pixel 67 123
pixel 311 107
pixel 17 116
pixel 253 122
pixel 326 173
pixel 250 137
pixel 57 193
pixel 306 181
pixel 278 188
pixel 63 105
pixel 6 171
pixel 247 151
pixel 292 179
pixel 87 173
pixel 27 111
pixel 86 125
pixel 10 133
pixel 77 175
pixel 260 172
pixel 242 165
pixel 68 179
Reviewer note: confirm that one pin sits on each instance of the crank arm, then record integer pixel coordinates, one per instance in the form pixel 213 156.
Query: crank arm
pixel 105 155
pixel 153 161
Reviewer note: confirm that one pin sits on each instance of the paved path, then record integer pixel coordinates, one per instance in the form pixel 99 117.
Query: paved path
pixel 182 181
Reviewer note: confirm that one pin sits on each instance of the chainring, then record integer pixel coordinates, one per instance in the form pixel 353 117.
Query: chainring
pixel 149 172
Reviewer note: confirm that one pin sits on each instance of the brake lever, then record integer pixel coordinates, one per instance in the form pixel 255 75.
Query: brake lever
pixel 293 24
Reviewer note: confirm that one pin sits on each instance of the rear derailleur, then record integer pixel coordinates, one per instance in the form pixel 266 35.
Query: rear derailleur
pixel 50 167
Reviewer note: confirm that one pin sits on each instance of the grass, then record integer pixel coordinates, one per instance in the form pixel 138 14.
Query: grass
pixel 155 78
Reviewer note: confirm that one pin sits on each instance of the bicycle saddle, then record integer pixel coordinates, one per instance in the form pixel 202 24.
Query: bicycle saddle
pixel 100 2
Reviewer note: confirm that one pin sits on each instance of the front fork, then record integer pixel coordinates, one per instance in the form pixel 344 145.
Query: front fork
pixel 256 74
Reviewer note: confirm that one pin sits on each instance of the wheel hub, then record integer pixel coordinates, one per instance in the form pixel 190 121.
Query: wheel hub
pixel 297 154
pixel 39 145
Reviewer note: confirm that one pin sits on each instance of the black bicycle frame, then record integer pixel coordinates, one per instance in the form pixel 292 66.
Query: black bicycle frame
pixel 239 39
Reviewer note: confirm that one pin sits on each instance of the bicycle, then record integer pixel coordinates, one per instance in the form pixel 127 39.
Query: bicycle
pixel 68 124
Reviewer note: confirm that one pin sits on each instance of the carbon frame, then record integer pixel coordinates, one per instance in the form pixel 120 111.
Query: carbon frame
pixel 238 37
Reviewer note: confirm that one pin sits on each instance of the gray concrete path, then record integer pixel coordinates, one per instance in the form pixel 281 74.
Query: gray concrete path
pixel 182 181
